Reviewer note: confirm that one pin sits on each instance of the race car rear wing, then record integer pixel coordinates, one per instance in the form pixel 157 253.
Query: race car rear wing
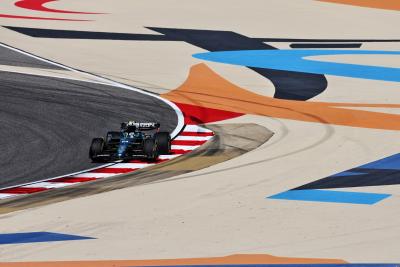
pixel 142 126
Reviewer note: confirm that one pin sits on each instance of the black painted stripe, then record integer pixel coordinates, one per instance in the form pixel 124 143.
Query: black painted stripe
pixel 294 40
pixel 325 45
pixel 367 177
pixel 72 34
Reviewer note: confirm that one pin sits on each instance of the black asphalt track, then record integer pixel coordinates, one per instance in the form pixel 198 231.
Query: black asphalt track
pixel 46 124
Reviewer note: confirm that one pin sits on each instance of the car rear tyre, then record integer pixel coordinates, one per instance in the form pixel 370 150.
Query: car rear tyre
pixel 96 148
pixel 163 140
pixel 150 149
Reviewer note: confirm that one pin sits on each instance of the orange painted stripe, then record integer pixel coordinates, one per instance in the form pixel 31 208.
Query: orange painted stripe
pixel 380 4
pixel 206 88
pixel 234 259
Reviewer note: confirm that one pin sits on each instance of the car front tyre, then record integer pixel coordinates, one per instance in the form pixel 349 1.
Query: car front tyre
pixel 96 148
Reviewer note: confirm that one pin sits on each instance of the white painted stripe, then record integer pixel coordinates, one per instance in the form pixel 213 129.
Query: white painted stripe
pixel 131 165
pixel 193 138
pixel 47 185
pixel 93 175
pixel 4 196
pixel 169 156
pixel 184 147
pixel 195 128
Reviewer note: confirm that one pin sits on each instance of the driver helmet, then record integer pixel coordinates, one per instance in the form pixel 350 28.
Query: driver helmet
pixel 131 129
pixel 124 127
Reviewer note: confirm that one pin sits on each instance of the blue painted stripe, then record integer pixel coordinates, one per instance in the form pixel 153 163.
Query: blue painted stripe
pixel 295 60
pixel 389 163
pixel 33 237
pixel 347 173
pixel 331 196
